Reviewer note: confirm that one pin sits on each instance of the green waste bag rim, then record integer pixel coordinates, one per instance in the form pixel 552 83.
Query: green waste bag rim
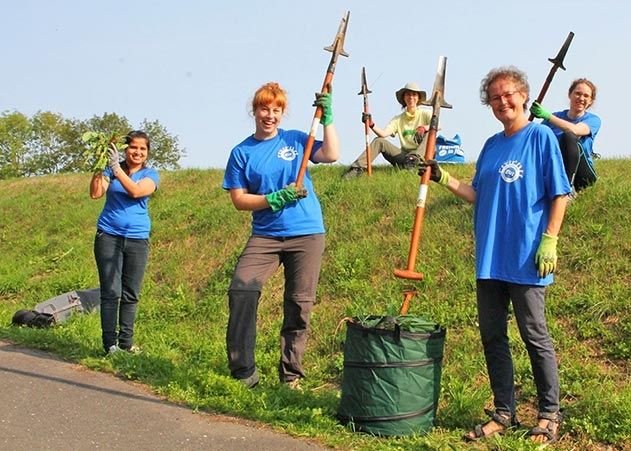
pixel 407 325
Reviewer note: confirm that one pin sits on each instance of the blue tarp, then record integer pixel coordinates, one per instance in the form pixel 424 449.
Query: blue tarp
pixel 449 150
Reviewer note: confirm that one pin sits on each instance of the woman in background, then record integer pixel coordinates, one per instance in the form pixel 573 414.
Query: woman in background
pixel 121 246
pixel 576 129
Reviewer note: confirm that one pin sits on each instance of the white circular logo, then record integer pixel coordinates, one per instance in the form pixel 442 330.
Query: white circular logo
pixel 287 153
pixel 511 171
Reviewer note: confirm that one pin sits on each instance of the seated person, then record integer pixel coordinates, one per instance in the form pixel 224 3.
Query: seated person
pixel 576 130
pixel 411 126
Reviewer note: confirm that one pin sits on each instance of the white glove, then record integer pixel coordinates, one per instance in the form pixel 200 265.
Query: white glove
pixel 114 163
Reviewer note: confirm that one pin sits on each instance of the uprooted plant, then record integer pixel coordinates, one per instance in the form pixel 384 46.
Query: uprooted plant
pixel 97 148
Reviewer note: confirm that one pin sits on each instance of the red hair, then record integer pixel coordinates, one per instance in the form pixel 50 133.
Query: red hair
pixel 269 93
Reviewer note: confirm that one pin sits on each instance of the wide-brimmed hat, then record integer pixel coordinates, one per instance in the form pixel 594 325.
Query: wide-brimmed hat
pixel 422 95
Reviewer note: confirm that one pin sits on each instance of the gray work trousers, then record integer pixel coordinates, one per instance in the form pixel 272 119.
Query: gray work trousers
pixel 528 304
pixel 393 154
pixel 301 258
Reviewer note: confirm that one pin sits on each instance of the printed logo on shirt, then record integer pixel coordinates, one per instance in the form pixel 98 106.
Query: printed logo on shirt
pixel 511 171
pixel 287 153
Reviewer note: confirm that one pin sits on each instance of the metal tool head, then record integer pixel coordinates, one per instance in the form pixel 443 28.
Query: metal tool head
pixel 365 91
pixel 338 41
pixel 558 60
pixel 438 92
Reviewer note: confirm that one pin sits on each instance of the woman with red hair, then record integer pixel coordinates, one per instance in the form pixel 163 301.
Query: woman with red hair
pixel 287 229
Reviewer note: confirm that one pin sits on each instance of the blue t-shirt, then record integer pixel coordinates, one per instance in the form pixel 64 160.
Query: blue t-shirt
pixel 587 141
pixel 262 167
pixel 516 179
pixel 123 215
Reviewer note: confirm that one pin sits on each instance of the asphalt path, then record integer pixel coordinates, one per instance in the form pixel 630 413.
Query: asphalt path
pixel 49 404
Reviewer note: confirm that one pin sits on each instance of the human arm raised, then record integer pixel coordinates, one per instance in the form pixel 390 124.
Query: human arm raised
pixel 329 152
pixel 144 187
pixel 98 185
pixel 579 129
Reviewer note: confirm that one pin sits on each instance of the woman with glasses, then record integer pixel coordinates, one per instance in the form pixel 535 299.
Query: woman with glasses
pixel 576 129
pixel 520 194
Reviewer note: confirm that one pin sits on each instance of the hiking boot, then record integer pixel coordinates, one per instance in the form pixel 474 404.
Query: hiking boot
pixel 353 172
pixel 411 161
pixel 251 381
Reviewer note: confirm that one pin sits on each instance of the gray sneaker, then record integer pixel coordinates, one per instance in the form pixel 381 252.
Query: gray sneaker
pixel 251 381
pixel 113 350
pixel 353 172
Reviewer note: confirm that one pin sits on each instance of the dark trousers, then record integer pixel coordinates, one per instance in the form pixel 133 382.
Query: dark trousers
pixel 579 171
pixel 301 258
pixel 528 304
pixel 121 263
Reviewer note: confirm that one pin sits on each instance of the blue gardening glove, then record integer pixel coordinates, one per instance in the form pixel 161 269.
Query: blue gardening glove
pixel 546 256
pixel 437 175
pixel 279 199
pixel 539 112
pixel 114 160
pixel 367 119
pixel 324 101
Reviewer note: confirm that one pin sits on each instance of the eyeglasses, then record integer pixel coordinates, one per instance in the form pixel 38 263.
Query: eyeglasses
pixel 582 95
pixel 505 96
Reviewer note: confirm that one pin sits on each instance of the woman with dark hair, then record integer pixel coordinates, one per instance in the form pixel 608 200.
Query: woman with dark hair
pixel 576 129
pixel 411 127
pixel 121 245
pixel 519 191
pixel 287 229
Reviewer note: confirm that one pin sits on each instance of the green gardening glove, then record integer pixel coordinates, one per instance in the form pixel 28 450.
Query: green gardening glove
pixel 324 101
pixel 278 199
pixel 539 112
pixel 546 256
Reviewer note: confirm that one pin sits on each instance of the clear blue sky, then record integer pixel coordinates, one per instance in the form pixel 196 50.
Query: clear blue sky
pixel 194 65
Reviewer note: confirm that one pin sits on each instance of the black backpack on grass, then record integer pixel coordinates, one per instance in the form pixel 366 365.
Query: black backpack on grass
pixel 33 318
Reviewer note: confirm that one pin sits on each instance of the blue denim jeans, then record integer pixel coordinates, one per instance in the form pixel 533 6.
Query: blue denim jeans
pixel 528 304
pixel 121 263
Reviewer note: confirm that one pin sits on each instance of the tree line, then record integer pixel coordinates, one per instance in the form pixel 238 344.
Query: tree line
pixel 48 143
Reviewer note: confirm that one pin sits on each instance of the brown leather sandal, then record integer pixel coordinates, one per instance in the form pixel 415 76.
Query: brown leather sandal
pixel 551 434
pixel 506 423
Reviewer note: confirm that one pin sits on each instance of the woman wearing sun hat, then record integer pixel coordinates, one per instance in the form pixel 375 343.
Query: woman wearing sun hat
pixel 410 126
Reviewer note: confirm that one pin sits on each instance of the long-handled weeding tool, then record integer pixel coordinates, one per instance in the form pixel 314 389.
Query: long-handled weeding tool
pixel 364 92
pixel 557 62
pixel 436 102
pixel 337 48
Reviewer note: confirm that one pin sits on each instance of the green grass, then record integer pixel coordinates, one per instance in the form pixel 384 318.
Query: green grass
pixel 46 236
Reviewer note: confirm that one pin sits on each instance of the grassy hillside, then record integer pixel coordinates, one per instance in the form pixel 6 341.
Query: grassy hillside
pixel 46 237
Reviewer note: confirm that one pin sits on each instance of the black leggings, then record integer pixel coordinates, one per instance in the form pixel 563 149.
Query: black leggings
pixel 579 172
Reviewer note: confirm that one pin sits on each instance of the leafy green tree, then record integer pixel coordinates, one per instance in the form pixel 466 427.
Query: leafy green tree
pixel 15 130
pixel 165 150
pixel 52 145
pixel 48 143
